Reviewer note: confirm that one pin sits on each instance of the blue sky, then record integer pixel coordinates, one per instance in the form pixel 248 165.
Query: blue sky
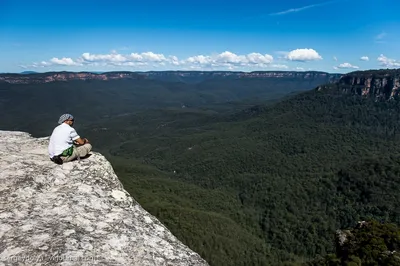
pixel 333 36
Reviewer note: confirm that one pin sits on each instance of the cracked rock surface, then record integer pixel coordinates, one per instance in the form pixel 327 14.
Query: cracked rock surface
pixel 77 213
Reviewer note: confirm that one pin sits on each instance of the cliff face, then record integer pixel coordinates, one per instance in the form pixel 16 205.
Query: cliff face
pixel 77 213
pixel 293 74
pixel 162 75
pixel 379 84
pixel 64 76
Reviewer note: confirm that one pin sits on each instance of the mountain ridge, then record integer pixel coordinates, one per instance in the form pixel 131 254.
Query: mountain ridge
pixel 46 77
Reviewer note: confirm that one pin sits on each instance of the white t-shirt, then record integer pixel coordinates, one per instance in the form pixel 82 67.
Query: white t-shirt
pixel 61 139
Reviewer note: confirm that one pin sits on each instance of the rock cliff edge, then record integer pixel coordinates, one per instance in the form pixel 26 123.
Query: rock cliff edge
pixel 380 85
pixel 77 213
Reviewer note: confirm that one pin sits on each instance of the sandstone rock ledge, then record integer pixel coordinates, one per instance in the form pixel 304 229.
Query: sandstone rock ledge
pixel 74 214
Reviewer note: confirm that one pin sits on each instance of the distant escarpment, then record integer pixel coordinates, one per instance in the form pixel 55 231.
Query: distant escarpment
pixel 183 76
pixel 232 74
pixel 64 76
pixel 381 85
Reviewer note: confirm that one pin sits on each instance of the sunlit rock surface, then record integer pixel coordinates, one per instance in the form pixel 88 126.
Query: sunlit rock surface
pixel 74 214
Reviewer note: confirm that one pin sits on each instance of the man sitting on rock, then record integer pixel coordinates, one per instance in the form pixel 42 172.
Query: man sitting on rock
pixel 65 144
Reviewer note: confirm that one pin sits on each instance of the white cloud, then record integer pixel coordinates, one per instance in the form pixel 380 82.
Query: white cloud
pixel 380 36
pixel 294 10
pixel 388 62
pixel 131 64
pixel 335 58
pixel 113 57
pixel 65 61
pixel 257 58
pixel 229 59
pixel 280 66
pixel 364 58
pixel 346 66
pixel 199 59
pixel 299 68
pixel 151 60
pixel 174 60
pixel 152 57
pixel 117 59
pixel 303 55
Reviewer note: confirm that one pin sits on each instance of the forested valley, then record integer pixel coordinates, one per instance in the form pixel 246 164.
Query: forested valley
pixel 245 181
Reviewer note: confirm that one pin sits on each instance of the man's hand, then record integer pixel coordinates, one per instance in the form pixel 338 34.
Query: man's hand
pixel 81 141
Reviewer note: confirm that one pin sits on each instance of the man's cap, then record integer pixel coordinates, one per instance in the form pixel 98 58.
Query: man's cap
pixel 65 117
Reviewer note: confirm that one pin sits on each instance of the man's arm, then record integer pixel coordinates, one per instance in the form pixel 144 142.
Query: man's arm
pixel 81 141
pixel 76 138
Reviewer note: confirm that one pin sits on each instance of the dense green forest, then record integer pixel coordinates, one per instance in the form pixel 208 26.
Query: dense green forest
pixel 368 243
pixel 272 182
pixel 246 182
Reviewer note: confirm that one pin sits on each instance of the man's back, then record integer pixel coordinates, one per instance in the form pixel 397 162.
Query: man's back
pixel 61 139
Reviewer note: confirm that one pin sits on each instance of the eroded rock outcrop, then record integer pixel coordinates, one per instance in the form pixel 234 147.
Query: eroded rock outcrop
pixel 74 214
pixel 380 85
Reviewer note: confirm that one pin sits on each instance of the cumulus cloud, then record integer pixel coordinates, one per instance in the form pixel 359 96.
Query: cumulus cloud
pixel 199 59
pixel 65 61
pixel 303 55
pixel 226 59
pixel 346 66
pixel 119 58
pixel 44 63
pixel 388 62
pixel 174 60
pixel 256 58
pixel 152 57
pixel 230 59
pixel 113 57
pixel 364 58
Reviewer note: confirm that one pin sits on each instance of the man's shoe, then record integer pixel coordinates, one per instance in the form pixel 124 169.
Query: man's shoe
pixel 57 160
